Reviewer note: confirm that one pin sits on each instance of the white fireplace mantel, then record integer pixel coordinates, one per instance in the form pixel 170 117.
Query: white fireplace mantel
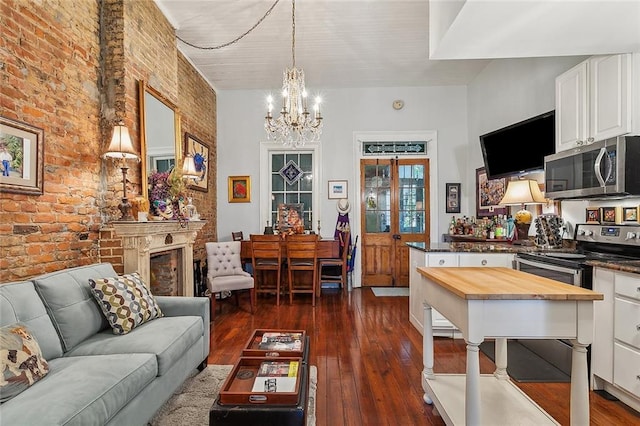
pixel 142 239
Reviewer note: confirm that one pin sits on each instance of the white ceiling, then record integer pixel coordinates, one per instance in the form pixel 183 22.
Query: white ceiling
pixel 375 43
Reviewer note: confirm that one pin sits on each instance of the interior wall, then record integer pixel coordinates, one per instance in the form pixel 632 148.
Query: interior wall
pixel 346 111
pixel 505 92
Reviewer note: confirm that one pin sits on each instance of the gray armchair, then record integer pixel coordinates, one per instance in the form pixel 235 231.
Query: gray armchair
pixel 224 272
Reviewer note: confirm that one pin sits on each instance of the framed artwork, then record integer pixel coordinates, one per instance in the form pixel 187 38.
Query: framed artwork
pixel 610 215
pixel 200 152
pixel 452 198
pixel 21 157
pixel 489 192
pixel 290 218
pixel 338 189
pixel 630 214
pixel 239 189
pixel 593 215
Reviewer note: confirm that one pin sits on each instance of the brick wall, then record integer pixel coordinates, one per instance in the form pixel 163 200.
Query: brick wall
pixel 71 68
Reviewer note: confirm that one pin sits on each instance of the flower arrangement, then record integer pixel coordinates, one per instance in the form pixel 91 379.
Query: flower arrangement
pixel 166 192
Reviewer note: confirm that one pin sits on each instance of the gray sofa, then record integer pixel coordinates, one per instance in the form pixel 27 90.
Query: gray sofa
pixel 96 377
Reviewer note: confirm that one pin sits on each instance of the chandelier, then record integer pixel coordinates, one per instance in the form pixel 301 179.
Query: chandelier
pixel 295 125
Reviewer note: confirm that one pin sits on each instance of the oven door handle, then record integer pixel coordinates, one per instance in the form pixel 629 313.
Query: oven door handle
pixel 548 266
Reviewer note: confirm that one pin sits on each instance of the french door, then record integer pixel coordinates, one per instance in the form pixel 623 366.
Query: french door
pixel 395 210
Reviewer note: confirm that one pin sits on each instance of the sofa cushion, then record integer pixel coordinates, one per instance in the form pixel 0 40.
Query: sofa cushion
pixel 21 361
pixel 167 337
pixel 125 300
pixel 82 390
pixel 68 299
pixel 19 302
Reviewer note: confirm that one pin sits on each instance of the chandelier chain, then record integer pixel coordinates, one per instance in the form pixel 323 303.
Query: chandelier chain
pixel 293 32
pixel 237 39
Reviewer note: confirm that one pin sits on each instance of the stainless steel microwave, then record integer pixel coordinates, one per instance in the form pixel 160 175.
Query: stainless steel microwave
pixel 610 167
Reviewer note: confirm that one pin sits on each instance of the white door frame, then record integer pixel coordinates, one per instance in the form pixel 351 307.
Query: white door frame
pixel 431 137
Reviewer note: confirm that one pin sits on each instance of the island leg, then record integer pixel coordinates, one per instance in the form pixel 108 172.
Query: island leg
pixel 427 349
pixel 579 411
pixel 501 359
pixel 472 388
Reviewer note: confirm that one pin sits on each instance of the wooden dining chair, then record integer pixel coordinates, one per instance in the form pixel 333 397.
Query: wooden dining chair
pixel 335 270
pixel 237 236
pixel 302 255
pixel 266 255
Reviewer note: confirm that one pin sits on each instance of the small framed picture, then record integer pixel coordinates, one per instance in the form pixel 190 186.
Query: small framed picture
pixel 630 214
pixel 200 152
pixel 593 215
pixel 338 189
pixel 609 215
pixel 239 189
pixel 452 198
pixel 489 192
pixel 21 157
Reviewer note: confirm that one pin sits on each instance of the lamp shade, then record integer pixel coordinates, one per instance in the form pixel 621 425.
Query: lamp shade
pixel 121 146
pixel 521 192
pixel 189 168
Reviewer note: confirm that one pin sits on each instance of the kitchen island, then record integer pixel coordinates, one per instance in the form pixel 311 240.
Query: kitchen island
pixel 502 303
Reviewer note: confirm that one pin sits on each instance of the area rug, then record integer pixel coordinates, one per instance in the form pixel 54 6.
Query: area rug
pixel 524 365
pixel 190 404
pixel 390 291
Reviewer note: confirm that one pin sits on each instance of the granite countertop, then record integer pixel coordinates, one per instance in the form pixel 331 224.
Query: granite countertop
pixel 632 266
pixel 483 247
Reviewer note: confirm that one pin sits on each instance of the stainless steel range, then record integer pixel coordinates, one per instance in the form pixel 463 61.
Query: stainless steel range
pixel 607 243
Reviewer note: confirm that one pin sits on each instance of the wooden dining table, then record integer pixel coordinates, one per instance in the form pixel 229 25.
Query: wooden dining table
pixel 327 249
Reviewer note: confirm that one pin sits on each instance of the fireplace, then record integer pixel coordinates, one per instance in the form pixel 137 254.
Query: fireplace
pixel 161 241
pixel 165 273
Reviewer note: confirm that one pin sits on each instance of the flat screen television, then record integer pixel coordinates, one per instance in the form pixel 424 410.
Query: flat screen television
pixel 519 148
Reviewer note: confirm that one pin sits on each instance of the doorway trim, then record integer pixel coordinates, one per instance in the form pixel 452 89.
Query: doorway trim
pixel 431 136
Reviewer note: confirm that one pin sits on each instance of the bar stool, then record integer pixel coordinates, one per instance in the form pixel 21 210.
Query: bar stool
pixel 302 255
pixel 266 255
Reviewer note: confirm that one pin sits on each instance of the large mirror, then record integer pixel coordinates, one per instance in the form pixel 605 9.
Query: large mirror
pixel 160 141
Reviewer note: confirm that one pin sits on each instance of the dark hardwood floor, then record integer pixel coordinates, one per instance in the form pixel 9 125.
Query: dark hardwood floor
pixel 369 359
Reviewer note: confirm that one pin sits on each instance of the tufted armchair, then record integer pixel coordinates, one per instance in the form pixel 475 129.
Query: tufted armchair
pixel 224 272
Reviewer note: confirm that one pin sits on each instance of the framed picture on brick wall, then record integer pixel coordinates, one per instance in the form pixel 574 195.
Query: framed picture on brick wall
pixel 21 157
pixel 200 152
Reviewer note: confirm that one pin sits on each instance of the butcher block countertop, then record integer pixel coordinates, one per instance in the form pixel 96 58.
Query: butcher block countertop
pixel 504 284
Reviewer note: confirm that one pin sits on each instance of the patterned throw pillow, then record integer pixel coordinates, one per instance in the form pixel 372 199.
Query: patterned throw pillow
pixel 21 361
pixel 125 301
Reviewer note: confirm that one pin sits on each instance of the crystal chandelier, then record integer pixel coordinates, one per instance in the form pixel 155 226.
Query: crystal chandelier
pixel 296 125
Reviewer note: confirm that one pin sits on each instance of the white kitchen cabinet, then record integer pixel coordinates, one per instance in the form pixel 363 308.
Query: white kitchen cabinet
pixel 572 107
pixel 441 326
pixel 615 352
pixel 441 260
pixel 417 258
pixel 486 259
pixel 595 100
pixel 602 346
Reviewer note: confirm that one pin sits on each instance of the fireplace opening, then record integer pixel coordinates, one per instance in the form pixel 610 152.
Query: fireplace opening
pixel 166 273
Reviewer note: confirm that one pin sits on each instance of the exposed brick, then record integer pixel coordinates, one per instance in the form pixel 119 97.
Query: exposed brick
pixel 68 76
pixel 25 229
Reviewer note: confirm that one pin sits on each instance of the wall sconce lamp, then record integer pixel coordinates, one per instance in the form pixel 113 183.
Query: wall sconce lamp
pixel 521 193
pixel 121 149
